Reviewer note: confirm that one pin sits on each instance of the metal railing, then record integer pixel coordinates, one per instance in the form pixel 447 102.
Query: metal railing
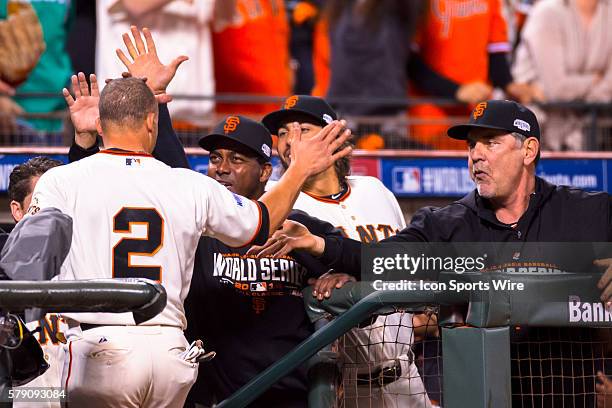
pixel 477 357
pixel 398 131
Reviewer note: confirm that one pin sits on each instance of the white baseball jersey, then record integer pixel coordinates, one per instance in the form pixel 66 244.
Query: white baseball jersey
pixel 133 216
pixel 368 212
pixel 178 28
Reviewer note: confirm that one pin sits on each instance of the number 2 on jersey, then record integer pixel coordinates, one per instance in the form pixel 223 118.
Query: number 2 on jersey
pixel 127 247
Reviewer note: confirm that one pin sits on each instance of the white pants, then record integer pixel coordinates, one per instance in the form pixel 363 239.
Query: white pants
pixel 127 366
pixel 407 391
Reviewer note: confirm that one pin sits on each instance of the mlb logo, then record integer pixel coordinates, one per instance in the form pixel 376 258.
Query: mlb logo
pixel 259 287
pixel 238 199
pixel 132 161
pixel 407 180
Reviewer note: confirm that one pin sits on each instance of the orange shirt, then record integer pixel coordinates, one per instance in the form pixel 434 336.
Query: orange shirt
pixel 251 54
pixel 455 42
pixel 460 34
pixel 321 55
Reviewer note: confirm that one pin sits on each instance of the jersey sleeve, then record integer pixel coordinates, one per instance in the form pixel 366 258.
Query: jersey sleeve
pixel 48 194
pixel 498 30
pixel 232 219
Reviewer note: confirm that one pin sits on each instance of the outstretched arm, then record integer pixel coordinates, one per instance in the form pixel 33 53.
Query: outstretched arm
pixel 337 252
pixel 144 63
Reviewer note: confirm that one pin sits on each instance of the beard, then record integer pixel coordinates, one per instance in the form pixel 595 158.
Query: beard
pixel 485 190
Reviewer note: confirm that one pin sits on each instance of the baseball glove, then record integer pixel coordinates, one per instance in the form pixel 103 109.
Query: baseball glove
pixel 21 45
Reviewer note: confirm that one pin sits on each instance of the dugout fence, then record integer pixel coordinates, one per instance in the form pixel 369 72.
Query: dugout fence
pixel 485 362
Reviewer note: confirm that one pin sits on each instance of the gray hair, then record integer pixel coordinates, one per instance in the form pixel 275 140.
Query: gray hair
pixel 520 138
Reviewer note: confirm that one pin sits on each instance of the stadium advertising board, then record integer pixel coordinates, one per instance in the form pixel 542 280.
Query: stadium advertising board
pixel 407 177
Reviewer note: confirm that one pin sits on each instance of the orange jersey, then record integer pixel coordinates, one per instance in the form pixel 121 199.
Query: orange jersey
pixel 459 35
pixel 321 55
pixel 251 54
pixel 455 42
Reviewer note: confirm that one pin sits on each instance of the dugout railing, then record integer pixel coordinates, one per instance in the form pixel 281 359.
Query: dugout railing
pixel 476 355
pixel 145 299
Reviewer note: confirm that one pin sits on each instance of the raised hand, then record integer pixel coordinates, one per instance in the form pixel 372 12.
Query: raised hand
pixel 83 108
pixel 316 154
pixel 144 62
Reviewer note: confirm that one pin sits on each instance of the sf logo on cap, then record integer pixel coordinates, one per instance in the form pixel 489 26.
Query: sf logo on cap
pixel 291 102
pixel 231 123
pixel 479 110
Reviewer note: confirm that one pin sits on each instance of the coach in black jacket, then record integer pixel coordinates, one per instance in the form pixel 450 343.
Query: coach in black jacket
pixel 509 204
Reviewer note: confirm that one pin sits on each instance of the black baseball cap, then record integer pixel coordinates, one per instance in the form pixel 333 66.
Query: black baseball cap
pixel 242 130
pixel 313 108
pixel 504 115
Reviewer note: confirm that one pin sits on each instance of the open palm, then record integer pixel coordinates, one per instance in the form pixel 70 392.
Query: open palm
pixel 145 63
pixel 84 106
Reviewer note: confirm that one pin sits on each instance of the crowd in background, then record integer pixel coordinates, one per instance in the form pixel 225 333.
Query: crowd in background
pixel 413 65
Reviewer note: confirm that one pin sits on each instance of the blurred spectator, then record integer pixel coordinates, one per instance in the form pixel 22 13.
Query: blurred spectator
pixel 81 44
pixel 517 12
pixel 251 52
pixel 181 27
pixel 53 70
pixel 302 19
pixel 465 42
pixel 367 53
pixel 566 51
pixel 361 51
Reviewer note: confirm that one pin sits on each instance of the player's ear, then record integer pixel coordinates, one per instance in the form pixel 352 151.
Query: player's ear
pixel 266 172
pixel 151 121
pixel 99 126
pixel 16 211
pixel 532 147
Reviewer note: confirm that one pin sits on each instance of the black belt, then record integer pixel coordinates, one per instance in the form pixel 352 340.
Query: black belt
pixel 89 326
pixel 381 376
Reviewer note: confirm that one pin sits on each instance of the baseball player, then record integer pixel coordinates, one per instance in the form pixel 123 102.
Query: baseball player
pixel 249 310
pixel 381 373
pixel 145 220
pixel 49 331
